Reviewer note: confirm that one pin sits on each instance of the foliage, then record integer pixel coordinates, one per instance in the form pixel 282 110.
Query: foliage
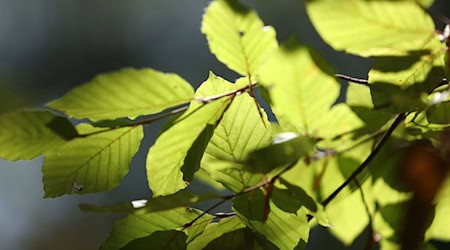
pixel 378 159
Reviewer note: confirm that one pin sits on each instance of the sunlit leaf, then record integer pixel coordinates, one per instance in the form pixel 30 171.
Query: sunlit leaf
pixel 237 36
pixel 168 155
pixel 240 131
pixel 24 135
pixel 439 228
pixel 302 90
pixel 347 212
pixel 371 28
pixel 125 93
pixel 91 164
pixel 144 224
pixel 216 234
pixel 179 199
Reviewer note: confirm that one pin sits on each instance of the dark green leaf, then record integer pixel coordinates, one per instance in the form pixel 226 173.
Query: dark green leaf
pixel 179 199
pixel 143 224
pixel 160 240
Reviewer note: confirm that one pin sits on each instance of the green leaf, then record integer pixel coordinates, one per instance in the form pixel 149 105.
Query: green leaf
pixel 179 199
pixel 240 131
pixel 302 90
pixel 92 164
pixel 439 114
pixel 24 135
pixel 237 36
pixel 371 28
pixel 169 154
pixel 125 93
pixel 439 228
pixel 266 159
pixel 161 240
pixel 285 230
pixel 347 212
pixel 218 234
pixel 143 224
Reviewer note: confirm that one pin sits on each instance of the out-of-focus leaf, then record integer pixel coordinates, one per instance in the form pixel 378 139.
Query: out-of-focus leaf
pixel 240 131
pixel 252 205
pixel 347 212
pixel 144 224
pixel 359 99
pixel 371 28
pixel 171 150
pixel 179 199
pixel 218 235
pixel 237 36
pixel 439 228
pixel 160 240
pixel 24 135
pixel 302 89
pixel 439 114
pixel 284 230
pixel 125 93
pixel 94 163
pixel 266 159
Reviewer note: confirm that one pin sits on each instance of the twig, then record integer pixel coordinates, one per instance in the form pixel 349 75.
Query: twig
pixel 368 160
pixel 225 198
pixel 353 79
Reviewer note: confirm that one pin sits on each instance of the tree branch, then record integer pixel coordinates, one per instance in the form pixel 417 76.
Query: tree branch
pixel 368 160
pixel 352 79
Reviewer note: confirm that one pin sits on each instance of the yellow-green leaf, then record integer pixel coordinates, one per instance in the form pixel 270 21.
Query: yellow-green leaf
pixel 240 131
pixel 24 135
pixel 237 36
pixel 125 93
pixel 302 90
pixel 371 28
pixel 167 156
pixel 95 163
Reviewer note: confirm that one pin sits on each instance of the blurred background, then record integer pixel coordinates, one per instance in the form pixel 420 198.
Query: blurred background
pixel 48 47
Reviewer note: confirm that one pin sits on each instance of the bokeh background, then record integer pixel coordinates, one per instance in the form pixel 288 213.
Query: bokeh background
pixel 48 47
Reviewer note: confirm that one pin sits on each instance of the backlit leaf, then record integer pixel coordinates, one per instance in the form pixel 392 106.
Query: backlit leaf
pixel 371 28
pixel 125 93
pixel 167 156
pixel 91 164
pixel 237 36
pixel 302 90
pixel 24 135
pixel 240 131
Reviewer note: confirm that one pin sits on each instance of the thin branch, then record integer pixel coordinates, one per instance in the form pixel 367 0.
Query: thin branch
pixel 368 160
pixel 352 79
pixel 225 198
